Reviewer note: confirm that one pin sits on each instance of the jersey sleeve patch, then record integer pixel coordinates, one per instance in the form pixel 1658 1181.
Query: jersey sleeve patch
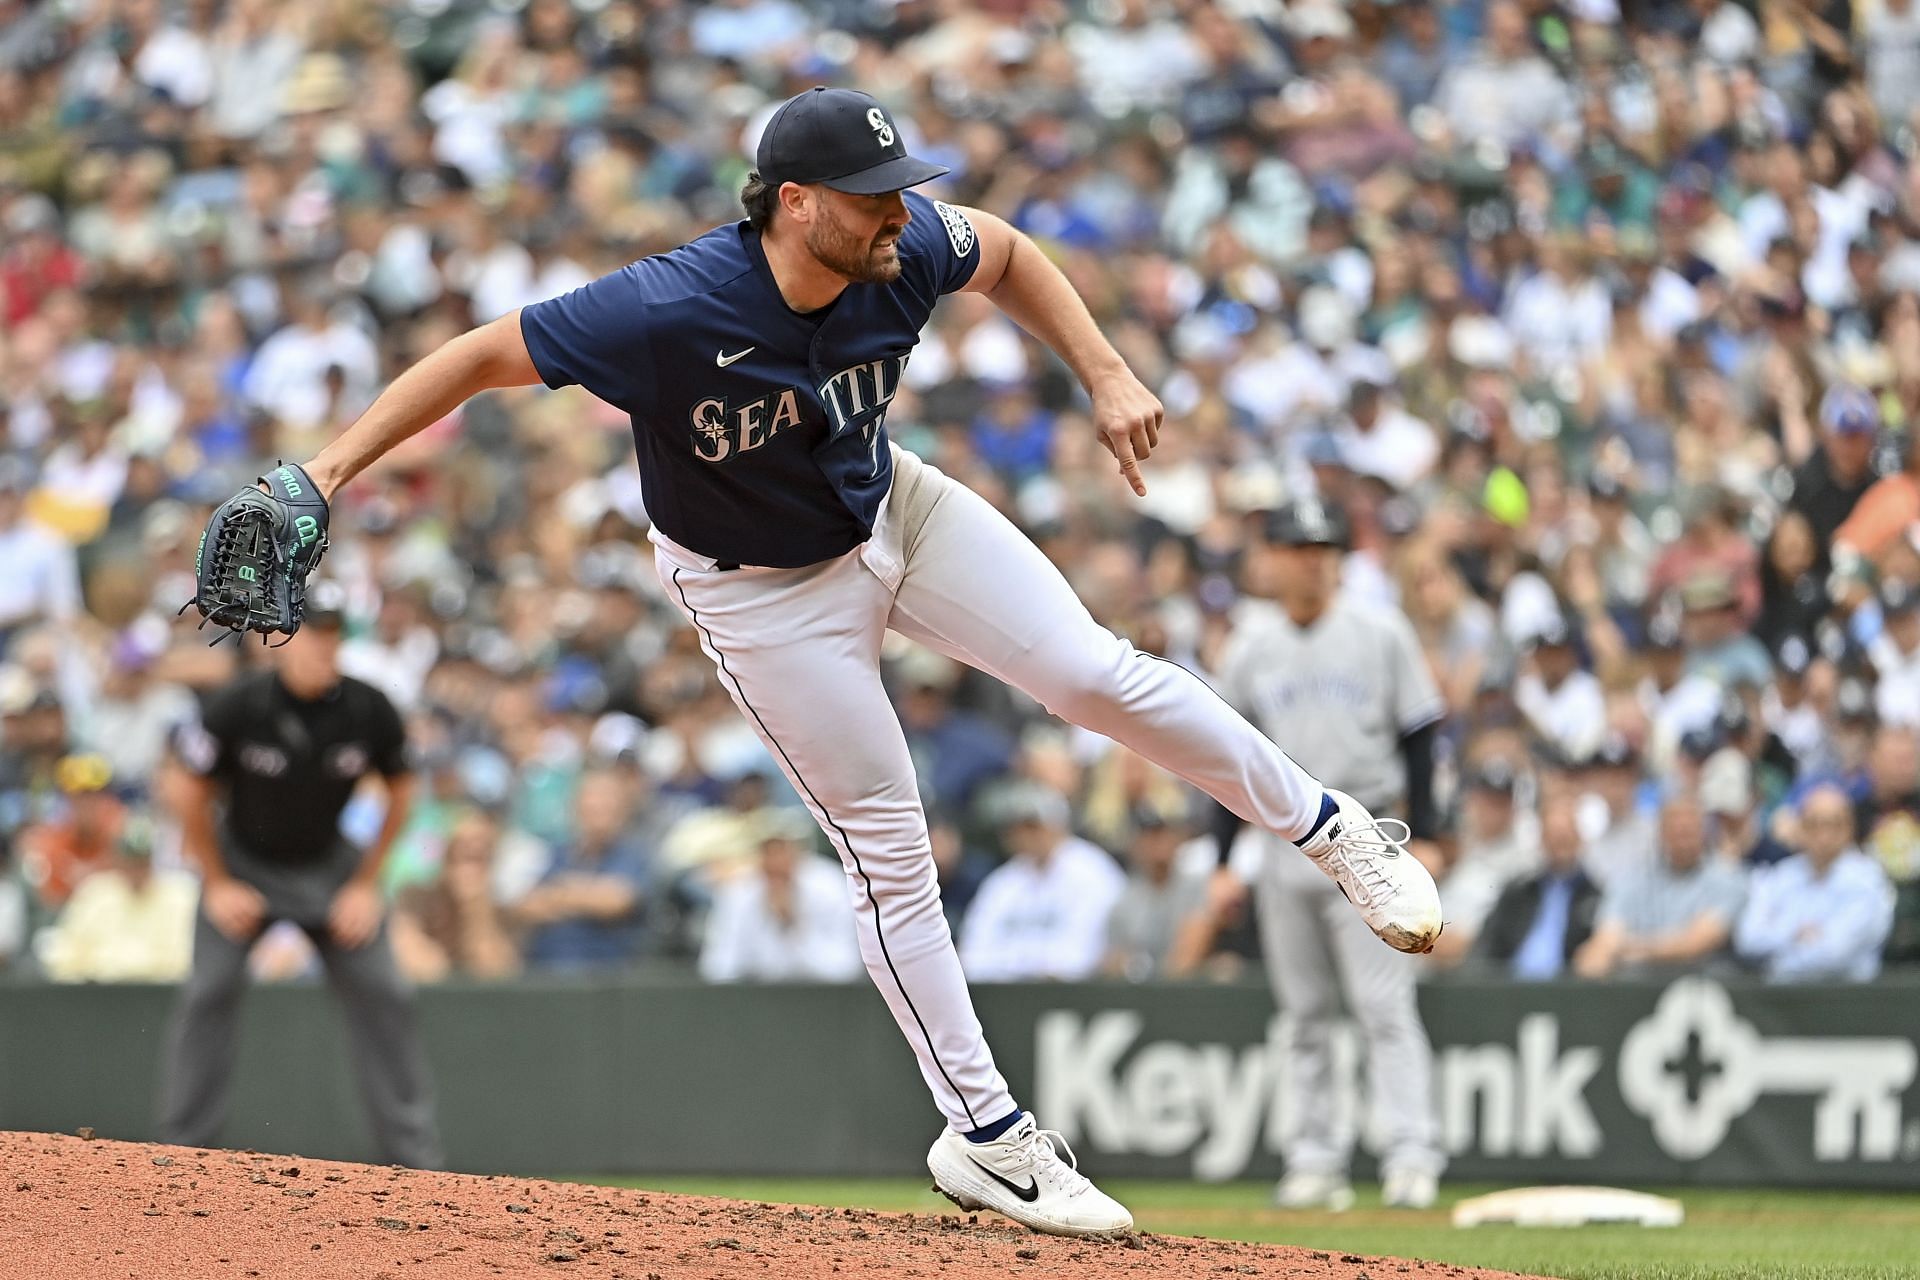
pixel 959 230
pixel 198 748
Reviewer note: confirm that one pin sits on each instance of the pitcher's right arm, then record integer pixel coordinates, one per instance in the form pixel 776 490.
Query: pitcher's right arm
pixel 483 359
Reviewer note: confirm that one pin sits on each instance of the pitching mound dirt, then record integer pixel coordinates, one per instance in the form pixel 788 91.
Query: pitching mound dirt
pixel 73 1207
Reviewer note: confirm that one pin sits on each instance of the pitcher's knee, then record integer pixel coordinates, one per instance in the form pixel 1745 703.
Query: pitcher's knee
pixel 898 898
pixel 901 910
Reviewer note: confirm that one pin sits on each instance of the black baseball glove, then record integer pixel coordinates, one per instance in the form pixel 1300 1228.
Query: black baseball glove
pixel 257 551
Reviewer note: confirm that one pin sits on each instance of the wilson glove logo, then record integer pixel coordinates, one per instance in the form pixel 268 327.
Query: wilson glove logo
pixel 293 486
pixel 308 529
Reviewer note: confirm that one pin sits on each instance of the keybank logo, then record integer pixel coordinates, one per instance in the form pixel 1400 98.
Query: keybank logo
pixel 1691 1067
pixel 1094 1080
pixel 1694 1066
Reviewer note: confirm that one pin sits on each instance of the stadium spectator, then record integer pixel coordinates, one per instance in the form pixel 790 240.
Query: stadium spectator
pixel 1457 629
pixel 1496 845
pixel 961 867
pixel 1828 485
pixel 1887 826
pixel 57 855
pixel 33 733
pixel 588 910
pixel 1713 558
pixel 1895 654
pixel 1043 913
pixel 1675 914
pixel 1873 531
pixel 1161 926
pixel 1719 646
pixel 1617 829
pixel 1503 91
pixel 1890 50
pixel 1378 437
pixel 787 920
pixel 1824 913
pixel 1541 920
pixel 1562 699
pixel 135 711
pixel 1674 700
pixel 455 925
pixel 1793 596
pixel 129 921
pixel 37 578
pixel 1791 706
pixel 955 751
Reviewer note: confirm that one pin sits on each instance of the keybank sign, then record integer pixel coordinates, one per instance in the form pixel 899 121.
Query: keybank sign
pixel 1556 1084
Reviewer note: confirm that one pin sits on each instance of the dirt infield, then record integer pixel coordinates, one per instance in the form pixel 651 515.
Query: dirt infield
pixel 74 1207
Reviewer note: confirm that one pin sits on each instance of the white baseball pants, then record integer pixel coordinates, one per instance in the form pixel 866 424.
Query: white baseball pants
pixel 799 651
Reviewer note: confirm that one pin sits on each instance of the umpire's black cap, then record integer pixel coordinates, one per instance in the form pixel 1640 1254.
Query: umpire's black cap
pixel 1308 522
pixel 842 138
pixel 326 605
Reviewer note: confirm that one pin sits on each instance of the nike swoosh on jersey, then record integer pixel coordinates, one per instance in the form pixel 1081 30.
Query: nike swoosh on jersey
pixel 1028 1193
pixel 722 359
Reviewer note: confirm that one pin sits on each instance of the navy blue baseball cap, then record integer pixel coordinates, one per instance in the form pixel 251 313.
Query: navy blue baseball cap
pixel 843 139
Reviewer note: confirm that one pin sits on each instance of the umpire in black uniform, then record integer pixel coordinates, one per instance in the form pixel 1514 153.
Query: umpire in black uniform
pixel 286 748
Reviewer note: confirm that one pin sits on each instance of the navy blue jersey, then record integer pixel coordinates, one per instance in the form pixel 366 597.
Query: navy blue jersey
pixel 761 431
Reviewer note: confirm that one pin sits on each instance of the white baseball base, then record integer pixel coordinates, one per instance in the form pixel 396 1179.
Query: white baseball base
pixel 1568 1207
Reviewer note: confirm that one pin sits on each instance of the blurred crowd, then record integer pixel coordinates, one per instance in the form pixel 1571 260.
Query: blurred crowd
pixel 1599 318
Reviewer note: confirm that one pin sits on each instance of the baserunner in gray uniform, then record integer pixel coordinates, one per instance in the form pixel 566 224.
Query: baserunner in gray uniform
pixel 1345 691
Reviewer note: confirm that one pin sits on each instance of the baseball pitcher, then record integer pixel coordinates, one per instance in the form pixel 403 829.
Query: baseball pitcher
pixel 757 363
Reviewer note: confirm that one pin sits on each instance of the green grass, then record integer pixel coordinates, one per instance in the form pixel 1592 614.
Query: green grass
pixel 1729 1235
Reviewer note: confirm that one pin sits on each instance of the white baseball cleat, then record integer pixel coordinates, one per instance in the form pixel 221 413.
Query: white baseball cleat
pixel 1367 857
pixel 1327 1191
pixel 1021 1174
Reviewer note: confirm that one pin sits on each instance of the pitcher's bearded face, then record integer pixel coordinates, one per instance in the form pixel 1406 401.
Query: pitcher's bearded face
pixel 859 236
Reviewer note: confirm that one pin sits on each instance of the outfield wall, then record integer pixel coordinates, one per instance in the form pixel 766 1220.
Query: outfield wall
pixel 1696 1082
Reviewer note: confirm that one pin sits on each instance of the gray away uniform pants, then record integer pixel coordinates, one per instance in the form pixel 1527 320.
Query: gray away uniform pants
pixel 388 1059
pixel 1318 948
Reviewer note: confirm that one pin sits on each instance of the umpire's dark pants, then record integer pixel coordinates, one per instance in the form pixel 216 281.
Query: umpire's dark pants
pixel 388 1059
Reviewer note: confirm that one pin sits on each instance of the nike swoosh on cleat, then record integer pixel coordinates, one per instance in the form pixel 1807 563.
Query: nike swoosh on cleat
pixel 722 359
pixel 1028 1193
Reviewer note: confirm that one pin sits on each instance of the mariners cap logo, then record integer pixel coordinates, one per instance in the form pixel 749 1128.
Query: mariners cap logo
pixel 842 138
